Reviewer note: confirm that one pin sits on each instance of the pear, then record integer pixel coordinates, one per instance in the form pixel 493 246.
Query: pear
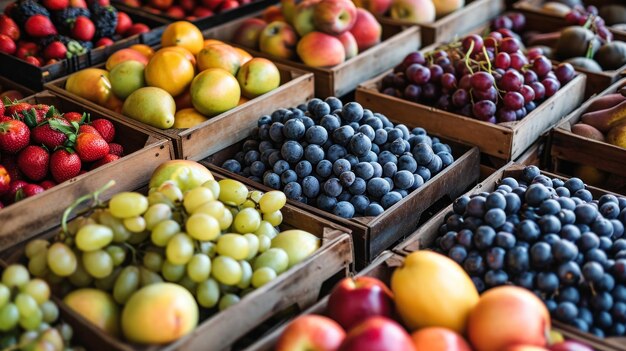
pixel 127 77
pixel 152 106
pixel 298 244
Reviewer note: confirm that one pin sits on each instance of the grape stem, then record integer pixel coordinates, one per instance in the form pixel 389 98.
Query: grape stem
pixel 467 57
pixel 93 197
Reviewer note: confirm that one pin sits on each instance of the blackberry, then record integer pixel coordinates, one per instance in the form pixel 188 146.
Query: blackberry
pixel 105 20
pixel 27 8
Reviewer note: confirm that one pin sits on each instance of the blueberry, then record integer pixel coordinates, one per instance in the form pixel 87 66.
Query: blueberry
pixel 566 312
pixel 417 182
pixel 347 178
pixel 458 253
pixel 344 209
pixel 619 293
pixel 332 187
pixel 265 119
pixel 358 187
pixel 344 196
pixel 474 263
pixel 378 169
pixel 574 184
pixel 510 181
pixel 280 166
pixel 525 280
pixel 271 180
pixel 377 187
pixel 423 154
pixel 495 257
pixel 566 216
pixel 496 200
pixel 390 199
pixel 584 195
pixel 330 123
pixel 464 237
pixel 569 294
pixel 374 210
pixel 536 193
pixel 513 203
pixel 459 205
pixel 593 271
pixel 333 102
pixel 257 168
pixel 619 270
pixel 326 203
pixel 596 255
pixel 540 254
pixel 389 169
pixel 293 129
pixel 609 210
pixel 316 135
pixel 619 311
pixel 601 301
pixel 364 170
pixel 495 217
pixel 276 132
pixel 360 145
pixel 549 207
pixel 605 243
pixel 314 154
pixel 303 168
pixel 336 152
pixel 341 165
pixel 288 176
pixel 564 250
pixel 476 207
pixel 530 172
pixel 496 278
pixel 321 110
pixel 607 283
pixel 528 230
pixel 551 238
pixel 505 240
pixel 517 260
pixel 562 191
pixel 602 227
pixel 360 203
pixel 280 115
pixel 380 137
pixel 542 179
pixel 342 135
pixel 569 272
pixel 310 186
pixel 387 157
pixel 292 151
pixel 232 166
pixel 566 203
pixel 435 165
pixel 293 190
pixel 547 282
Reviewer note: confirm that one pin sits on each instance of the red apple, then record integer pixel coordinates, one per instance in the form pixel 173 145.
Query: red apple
pixel 318 49
pixel 439 339
pixel 355 299
pixel 273 13
pixel 569 345
pixel 366 30
pixel 229 5
pixel 349 44
pixel 303 17
pixel 311 333
pixel 377 334
pixel 416 11
pixel 278 39
pixel 202 11
pixel 175 12
pixel 249 32
pixel 187 5
pixel 334 16
pixel 377 7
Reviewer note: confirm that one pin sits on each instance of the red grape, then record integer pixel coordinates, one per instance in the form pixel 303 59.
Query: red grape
pixel 541 66
pixel 506 115
pixel 533 53
pixel 443 102
pixel 388 80
pixel 478 43
pixel 481 81
pixel 430 91
pixel 412 92
pixel 440 53
pixel 491 42
pixel 509 45
pixel 518 60
pixel 411 70
pixel 490 94
pixel 551 85
pixel 435 73
pixel 511 81
pixel 530 76
pixel 503 60
pixel 390 92
pixel 572 17
pixel 465 110
pixel 414 57
pixel 464 83
pixel 538 88
pixel 442 61
pixel 400 81
pixel 528 93
pixel 564 72
pixel 460 98
pixel 484 109
pixel 421 75
pixel 519 21
pixel 502 22
pixel 448 81
pixel 506 33
pixel 513 100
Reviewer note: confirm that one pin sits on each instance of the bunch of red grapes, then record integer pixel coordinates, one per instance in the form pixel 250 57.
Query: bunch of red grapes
pixel 488 78
pixel 588 16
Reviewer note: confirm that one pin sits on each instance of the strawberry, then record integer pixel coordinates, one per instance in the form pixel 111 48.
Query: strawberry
pixel 10 164
pixel 137 28
pixel 33 161
pixel 103 42
pixel 14 187
pixel 116 149
pixel 85 128
pixel 105 128
pixel 10 7
pixel 124 22
pixel 75 117
pixel 47 184
pixel 55 50
pixel 78 3
pixel 91 147
pixel 26 49
pixel 9 28
pixel 55 5
pixel 29 190
pixel 39 26
pixel 83 29
pixel 64 165
pixel 14 136
pixel 35 115
pixel 52 134
pixel 103 161
pixel 1 108
pixel 16 108
pixel 33 61
pixel 5 180
pixel 7 45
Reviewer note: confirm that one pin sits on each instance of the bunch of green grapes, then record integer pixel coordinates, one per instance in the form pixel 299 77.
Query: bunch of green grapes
pixel 27 315
pixel 215 240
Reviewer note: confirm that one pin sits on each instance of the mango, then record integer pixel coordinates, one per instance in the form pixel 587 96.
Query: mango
pixel 257 77
pixel 152 106
pixel 617 135
pixel 605 119
pixel 587 131
pixel 92 84
pixel 187 118
pixel 96 306
pixel 184 173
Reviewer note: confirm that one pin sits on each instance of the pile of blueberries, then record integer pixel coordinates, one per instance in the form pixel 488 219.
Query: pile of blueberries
pixel 340 158
pixel 549 236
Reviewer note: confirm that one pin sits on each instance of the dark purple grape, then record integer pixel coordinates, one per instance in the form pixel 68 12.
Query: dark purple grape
pixel 519 21
pixel 503 60
pixel 506 115
pixel 528 93
pixel 539 89
pixel 484 109
pixel 518 60
pixel 473 38
pixel 564 72
pixel 464 82
pixel 490 94
pixel 399 81
pixel 551 86
pixel 390 91
pixel 513 100
pixel 509 45
pixel 430 91
pixel 414 57
pixel 481 81
pixel 541 66
pixel 435 73
pixel 388 80
pixel 511 81
pixel 412 92
pixel 448 81
pixel 460 98
pixel 530 76
pixel 502 22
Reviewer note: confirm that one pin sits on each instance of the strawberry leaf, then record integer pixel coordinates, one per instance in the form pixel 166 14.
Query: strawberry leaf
pixel 86 117
pixel 30 118
pixel 19 195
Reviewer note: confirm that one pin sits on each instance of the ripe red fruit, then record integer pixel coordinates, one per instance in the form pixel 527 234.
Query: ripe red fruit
pixel 201 11
pixel 14 136
pixel 29 190
pixel 64 165
pixel 16 109
pixel 5 180
pixel 116 149
pixel 1 108
pixel 51 134
pixel 137 28
pixel 85 128
pixel 83 29
pixel 26 49
pixel 9 28
pixel 78 3
pixel 33 162
pixel 187 5
pixel 55 5
pixel 11 195
pixel 103 161
pixel 47 184
pixel 175 12
pixel 7 45
pixel 33 61
pixel 124 22
pixel 102 42
pixel 91 147
pixel 75 117
pixel 105 128
pixel 55 50
pixel 39 26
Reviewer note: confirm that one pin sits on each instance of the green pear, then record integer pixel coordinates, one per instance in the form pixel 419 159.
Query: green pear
pixel 152 106
pixel 127 77
pixel 298 244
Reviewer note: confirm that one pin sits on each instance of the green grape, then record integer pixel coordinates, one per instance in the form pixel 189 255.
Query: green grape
pixel 208 248
pixel 66 331
pixel 9 317
pixel 98 264
pixel 262 276
pixel 179 249
pixel 232 192
pixel 138 238
pixel 155 214
pixel 255 195
pixel 246 275
pixel 227 301
pixel 208 293
pixel 247 220
pixel 120 233
pixel 164 231
pixel 15 275
pixel 61 260
pixel 214 186
pixel 253 245
pixel 38 289
pixel 50 311
pixel 26 304
pixel 43 326
pixel 275 258
pixel 272 201
pixel 93 237
pixel 128 204
pixel 233 211
pixel 52 278
pixel 80 278
pixel 199 268
pixel 275 218
pixel 173 272
pixel 214 209
pixel 118 254
pixel 264 243
pixel 28 338
pixel 52 337
pixel 135 224
pixel 32 321
pixel 197 197
pixel 226 270
pixel 226 220
pixel 233 245
pixel 38 264
pixel 126 284
pixel 171 191
pixel 266 228
pixel 228 289
pixel 34 246
pixel 153 261
pixel 75 224
pixel 188 284
pixel 202 227
pixel 107 283
pixel 147 277
pixel 155 197
pixel 5 295
pixel 248 204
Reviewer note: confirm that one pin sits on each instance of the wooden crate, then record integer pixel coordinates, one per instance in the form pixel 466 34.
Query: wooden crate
pixel 397 42
pixel 424 238
pixel 231 126
pixel 144 152
pixel 9 84
pixel 567 146
pixel 503 141
pixel 474 14
pixel 373 235
pixel 382 269
pixel 35 77
pixel 294 290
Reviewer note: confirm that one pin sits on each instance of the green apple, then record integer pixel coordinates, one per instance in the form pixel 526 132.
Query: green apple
pixel 127 77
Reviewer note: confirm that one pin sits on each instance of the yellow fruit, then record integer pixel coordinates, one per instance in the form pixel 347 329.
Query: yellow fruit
pixel 96 306
pixel 298 244
pixel 590 175
pixel 146 50
pixel 219 56
pixel 185 34
pixel 170 71
pixel 92 84
pixel 208 42
pixel 187 118
pixel 214 91
pixel 257 77
pixel 244 56
pixel 191 57
pixel 185 174
pixel 432 290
